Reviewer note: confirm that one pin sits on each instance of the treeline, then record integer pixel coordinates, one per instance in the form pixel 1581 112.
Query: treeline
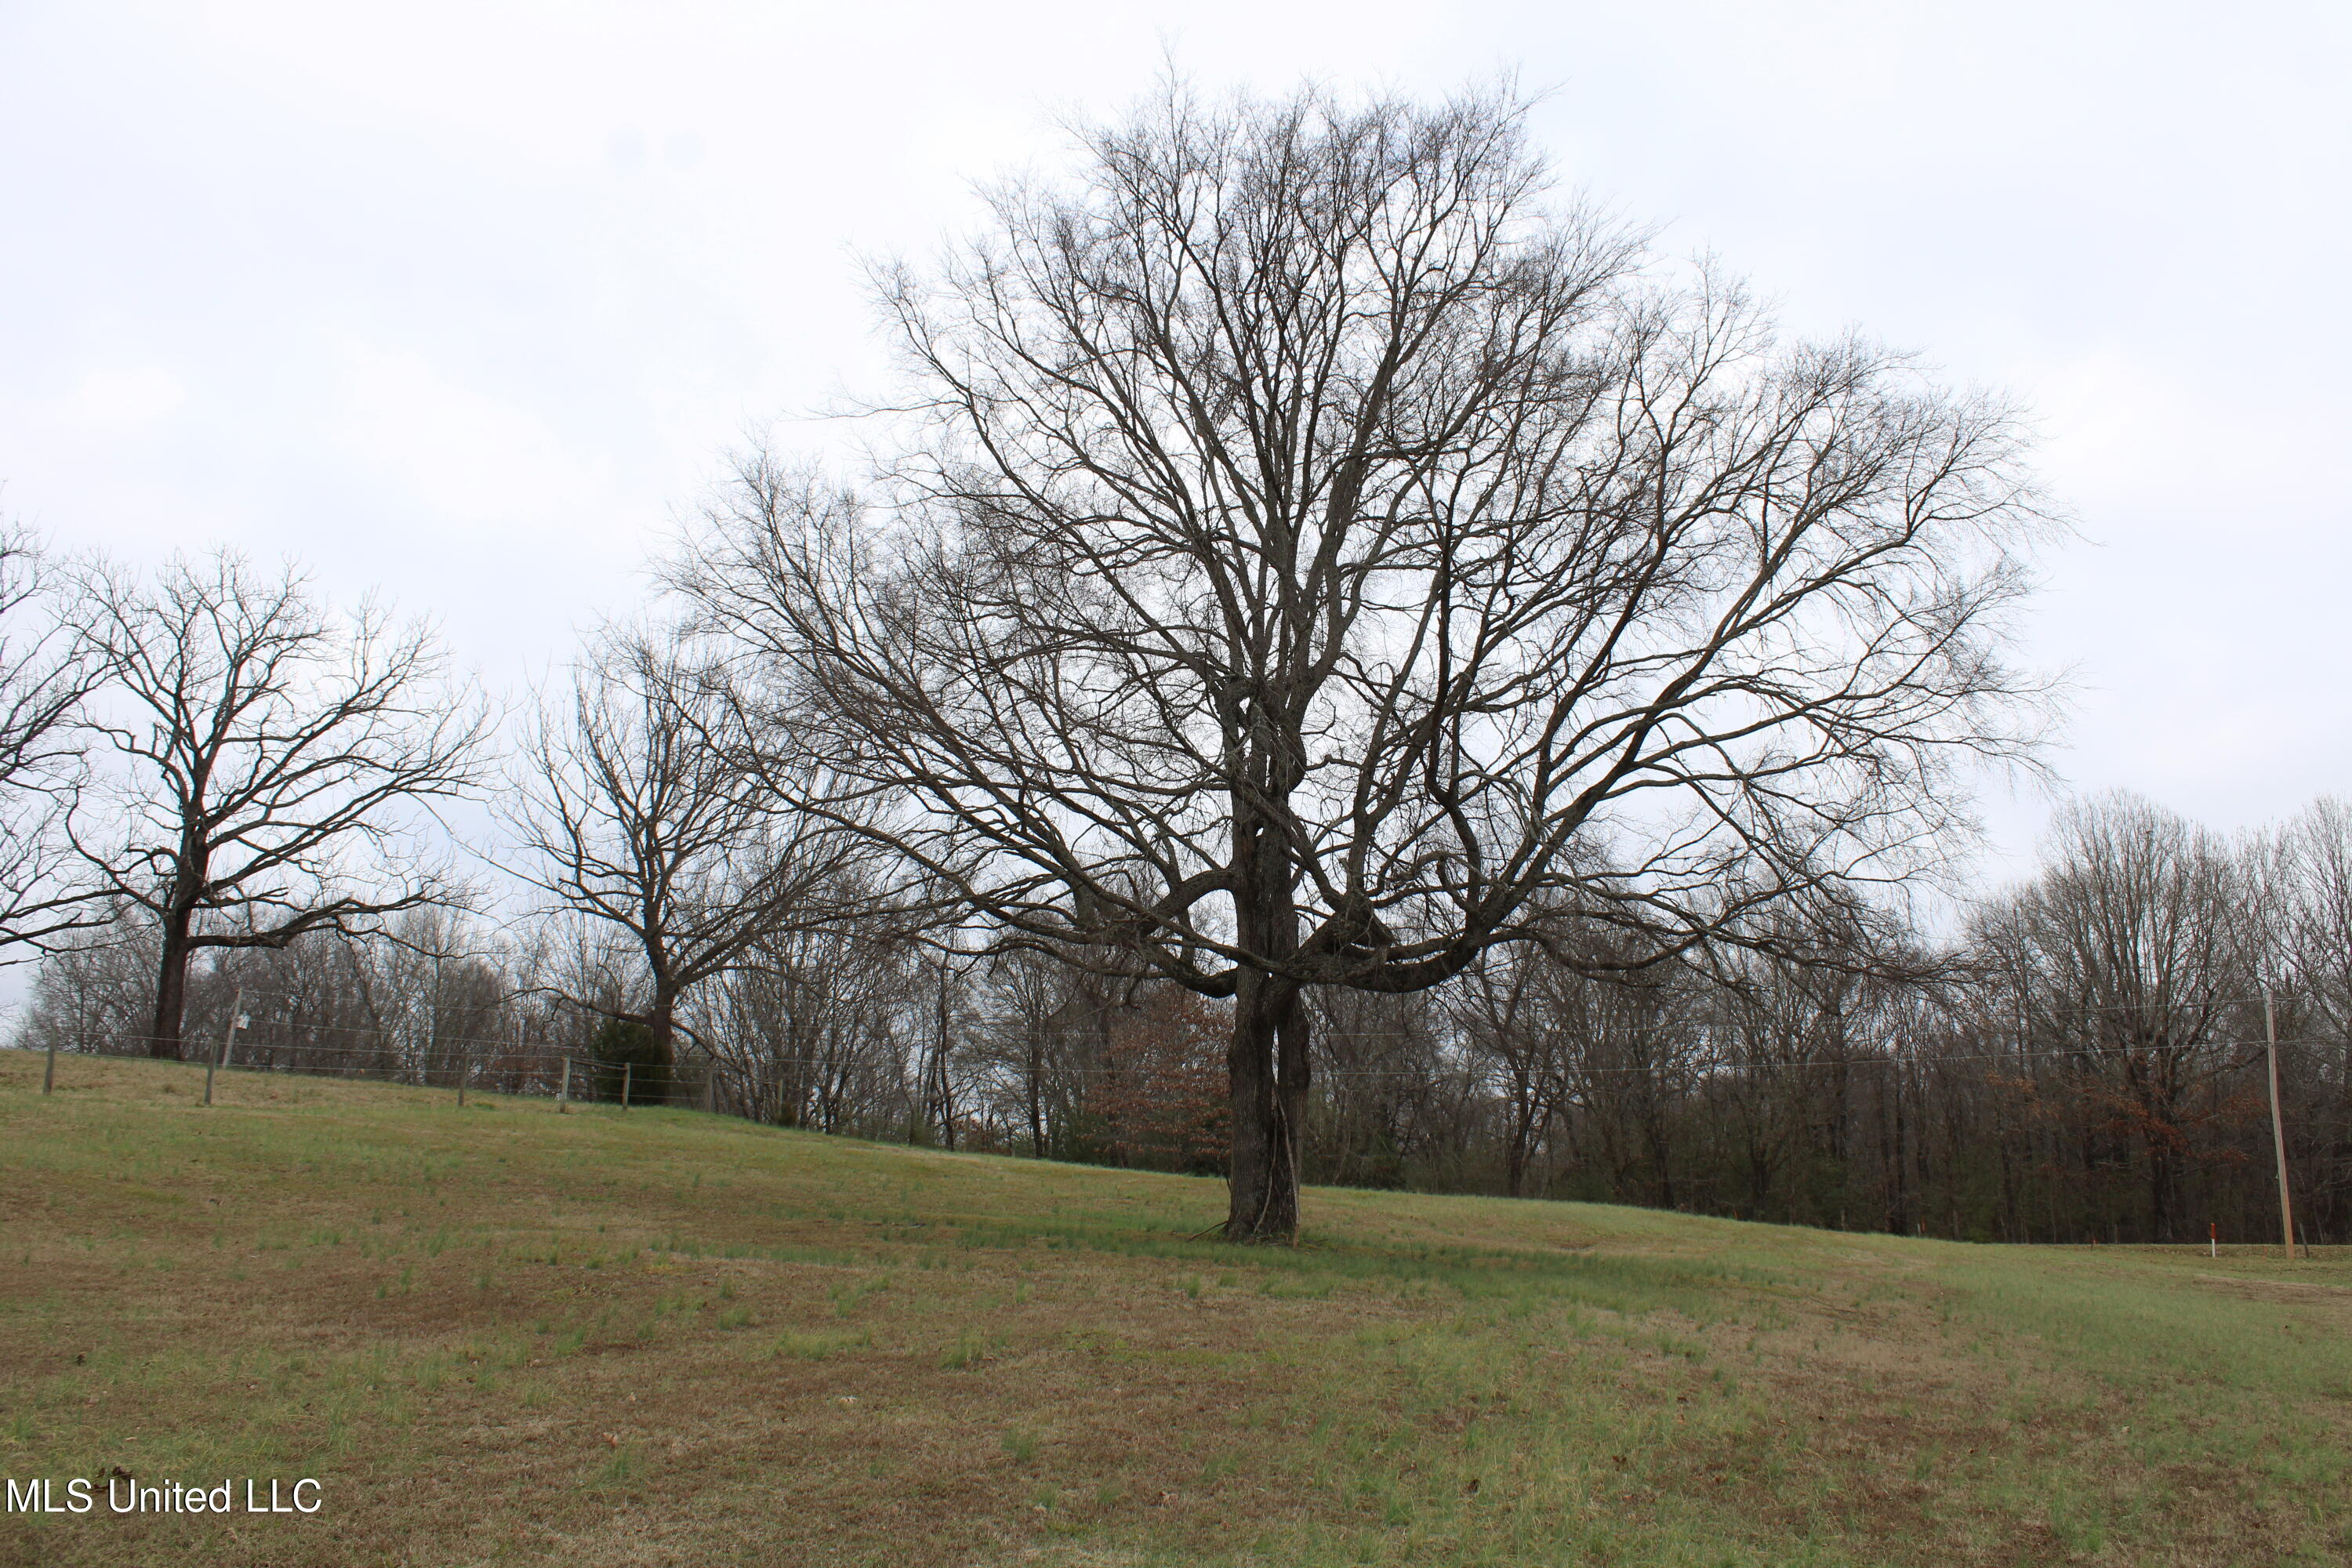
pixel 2086 1061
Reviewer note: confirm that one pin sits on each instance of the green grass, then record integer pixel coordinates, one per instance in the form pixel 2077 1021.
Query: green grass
pixel 665 1336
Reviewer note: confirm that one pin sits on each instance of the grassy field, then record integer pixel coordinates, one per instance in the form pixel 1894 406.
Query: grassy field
pixel 496 1335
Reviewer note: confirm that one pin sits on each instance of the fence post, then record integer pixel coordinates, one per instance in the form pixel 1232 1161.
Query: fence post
pixel 220 1059
pixel 628 1069
pixel 49 1073
pixel 2278 1128
pixel 563 1090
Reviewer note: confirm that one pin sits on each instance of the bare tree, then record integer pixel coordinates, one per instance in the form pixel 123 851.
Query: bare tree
pixel 265 761
pixel 2306 870
pixel 1312 562
pixel 1046 1024
pixel 42 684
pixel 817 1027
pixel 92 992
pixel 2140 962
pixel 428 991
pixel 635 808
pixel 1497 1010
pixel 1391 1106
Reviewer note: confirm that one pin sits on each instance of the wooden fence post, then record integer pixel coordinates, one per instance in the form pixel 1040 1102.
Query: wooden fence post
pixel 628 1071
pixel 220 1059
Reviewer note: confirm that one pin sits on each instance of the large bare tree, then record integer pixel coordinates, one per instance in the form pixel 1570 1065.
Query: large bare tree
pixel 262 761
pixel 1309 559
pixel 638 807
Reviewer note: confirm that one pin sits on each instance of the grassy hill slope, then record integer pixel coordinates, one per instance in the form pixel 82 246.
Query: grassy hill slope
pixel 498 1335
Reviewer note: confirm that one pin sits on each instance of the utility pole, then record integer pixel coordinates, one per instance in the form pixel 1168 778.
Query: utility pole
pixel 228 1038
pixel 2278 1127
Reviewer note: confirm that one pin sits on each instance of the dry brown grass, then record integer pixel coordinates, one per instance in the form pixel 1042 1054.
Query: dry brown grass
pixel 662 1338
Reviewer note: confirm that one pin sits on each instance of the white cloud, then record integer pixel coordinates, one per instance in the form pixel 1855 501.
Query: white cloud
pixel 466 460
pixel 126 395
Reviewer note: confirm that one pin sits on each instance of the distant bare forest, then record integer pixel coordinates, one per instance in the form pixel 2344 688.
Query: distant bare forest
pixel 2086 1063
pixel 1342 669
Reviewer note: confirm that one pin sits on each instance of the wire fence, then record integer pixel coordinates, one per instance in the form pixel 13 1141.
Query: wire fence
pixel 998 1068
pixel 462 1067
pixel 504 1065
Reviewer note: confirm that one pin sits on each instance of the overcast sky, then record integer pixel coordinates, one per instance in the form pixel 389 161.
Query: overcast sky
pixel 462 301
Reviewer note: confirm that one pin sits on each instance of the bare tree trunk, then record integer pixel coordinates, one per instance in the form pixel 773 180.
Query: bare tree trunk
pixel 171 988
pixel 1515 1151
pixel 2010 1222
pixel 1268 1057
pixel 1036 1095
pixel 2161 1178
pixel 1268 1065
pixel 1898 1215
pixel 655 1084
pixel 1656 1134
pixel 942 1102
